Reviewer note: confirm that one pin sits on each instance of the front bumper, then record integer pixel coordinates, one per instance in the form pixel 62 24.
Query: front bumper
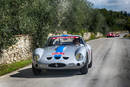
pixel 58 65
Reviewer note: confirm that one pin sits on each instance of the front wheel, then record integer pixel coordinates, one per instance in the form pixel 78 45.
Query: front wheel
pixel 90 64
pixel 35 71
pixel 84 69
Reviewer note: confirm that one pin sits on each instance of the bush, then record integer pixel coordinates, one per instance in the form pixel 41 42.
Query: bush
pixel 127 36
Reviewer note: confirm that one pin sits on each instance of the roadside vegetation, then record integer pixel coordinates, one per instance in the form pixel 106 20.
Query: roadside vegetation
pixel 127 36
pixel 116 21
pixel 7 68
pixel 38 18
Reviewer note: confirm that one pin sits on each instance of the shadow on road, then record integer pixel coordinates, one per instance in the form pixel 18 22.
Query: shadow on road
pixel 27 73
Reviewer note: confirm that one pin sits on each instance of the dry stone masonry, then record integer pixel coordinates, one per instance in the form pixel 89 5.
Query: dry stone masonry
pixel 19 51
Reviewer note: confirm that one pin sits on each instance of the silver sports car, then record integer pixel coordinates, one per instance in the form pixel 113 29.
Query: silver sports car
pixel 63 52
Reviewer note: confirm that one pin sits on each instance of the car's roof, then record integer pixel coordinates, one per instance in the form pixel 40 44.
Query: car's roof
pixel 65 36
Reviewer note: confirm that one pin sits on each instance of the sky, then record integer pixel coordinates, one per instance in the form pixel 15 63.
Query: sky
pixel 116 5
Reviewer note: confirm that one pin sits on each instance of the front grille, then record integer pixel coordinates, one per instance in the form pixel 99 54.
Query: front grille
pixel 57 65
pixel 65 58
pixel 57 57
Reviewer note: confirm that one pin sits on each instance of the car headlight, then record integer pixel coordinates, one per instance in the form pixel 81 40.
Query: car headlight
pixel 79 57
pixel 36 57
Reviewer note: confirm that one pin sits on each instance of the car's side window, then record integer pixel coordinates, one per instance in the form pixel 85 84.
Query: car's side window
pixel 82 41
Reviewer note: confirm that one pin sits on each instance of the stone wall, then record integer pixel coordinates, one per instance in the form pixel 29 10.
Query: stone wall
pixel 87 35
pixel 99 35
pixel 19 51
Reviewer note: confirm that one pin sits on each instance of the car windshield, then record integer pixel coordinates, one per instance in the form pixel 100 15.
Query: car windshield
pixel 66 40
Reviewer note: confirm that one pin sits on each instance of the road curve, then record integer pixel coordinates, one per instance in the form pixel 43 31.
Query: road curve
pixel 111 68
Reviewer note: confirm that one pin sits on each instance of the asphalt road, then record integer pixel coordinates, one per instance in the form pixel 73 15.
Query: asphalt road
pixel 111 68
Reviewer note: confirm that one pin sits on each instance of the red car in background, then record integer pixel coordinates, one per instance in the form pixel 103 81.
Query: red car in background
pixel 110 34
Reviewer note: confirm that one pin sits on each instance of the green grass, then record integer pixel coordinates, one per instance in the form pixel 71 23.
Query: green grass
pixel 7 68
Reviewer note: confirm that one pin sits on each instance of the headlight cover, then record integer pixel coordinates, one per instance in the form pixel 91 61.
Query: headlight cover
pixel 36 57
pixel 79 57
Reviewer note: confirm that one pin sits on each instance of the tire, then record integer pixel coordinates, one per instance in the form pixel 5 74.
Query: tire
pixel 84 69
pixel 36 71
pixel 90 64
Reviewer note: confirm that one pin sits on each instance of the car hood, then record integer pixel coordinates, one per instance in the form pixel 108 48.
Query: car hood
pixel 68 51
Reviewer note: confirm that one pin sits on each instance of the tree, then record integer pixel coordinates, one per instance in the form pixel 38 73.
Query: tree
pixel 127 26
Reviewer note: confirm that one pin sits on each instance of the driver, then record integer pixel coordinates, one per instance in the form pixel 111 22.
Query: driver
pixel 76 41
